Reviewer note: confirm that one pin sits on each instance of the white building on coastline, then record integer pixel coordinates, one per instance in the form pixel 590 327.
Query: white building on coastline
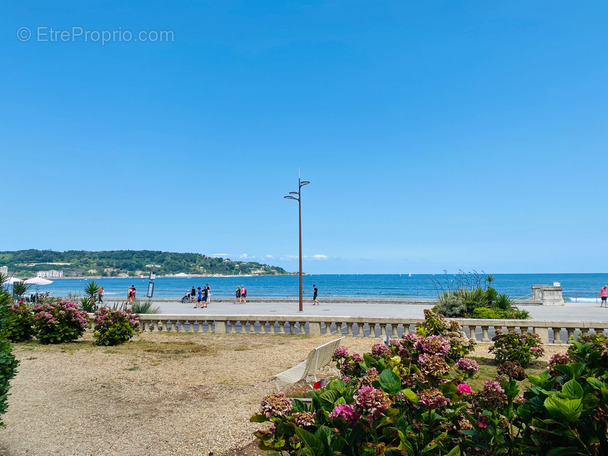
pixel 53 274
pixel 4 270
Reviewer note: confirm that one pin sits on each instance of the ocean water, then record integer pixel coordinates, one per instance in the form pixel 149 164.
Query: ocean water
pixel 579 287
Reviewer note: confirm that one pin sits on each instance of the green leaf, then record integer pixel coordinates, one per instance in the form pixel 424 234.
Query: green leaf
pixel 539 380
pixel 405 444
pixel 454 451
pixel 258 418
pixel 568 410
pixel 571 370
pixel 328 397
pixel 390 382
pixel 596 383
pixel 310 440
pixel 573 390
pixel 298 406
pixel 564 451
pixel 411 396
pixel 324 435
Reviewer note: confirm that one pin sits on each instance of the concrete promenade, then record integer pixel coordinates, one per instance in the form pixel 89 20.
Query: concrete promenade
pixel 365 308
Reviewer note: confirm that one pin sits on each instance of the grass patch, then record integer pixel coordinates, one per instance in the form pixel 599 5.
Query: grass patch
pixel 174 348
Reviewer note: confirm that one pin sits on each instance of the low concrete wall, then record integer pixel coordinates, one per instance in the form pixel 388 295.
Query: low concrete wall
pixel 482 330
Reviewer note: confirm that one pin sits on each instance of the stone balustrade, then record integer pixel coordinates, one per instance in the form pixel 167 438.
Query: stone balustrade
pixel 557 332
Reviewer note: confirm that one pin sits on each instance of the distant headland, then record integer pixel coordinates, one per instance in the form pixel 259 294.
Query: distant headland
pixel 126 263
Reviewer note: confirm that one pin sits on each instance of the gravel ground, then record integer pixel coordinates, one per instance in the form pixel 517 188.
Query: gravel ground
pixel 162 394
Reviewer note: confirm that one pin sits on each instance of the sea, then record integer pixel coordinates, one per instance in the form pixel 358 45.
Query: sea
pixel 576 287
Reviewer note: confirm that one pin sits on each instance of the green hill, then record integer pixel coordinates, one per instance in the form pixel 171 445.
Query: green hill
pixel 114 263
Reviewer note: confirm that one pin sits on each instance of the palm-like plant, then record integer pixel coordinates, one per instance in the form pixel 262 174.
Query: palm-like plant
pixel 92 290
pixel 20 288
pixel 489 279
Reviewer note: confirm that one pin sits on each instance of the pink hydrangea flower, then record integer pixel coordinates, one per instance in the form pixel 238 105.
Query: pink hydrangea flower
pixel 346 412
pixel 464 388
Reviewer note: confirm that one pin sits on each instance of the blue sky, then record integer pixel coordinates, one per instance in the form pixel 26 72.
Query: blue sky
pixel 436 135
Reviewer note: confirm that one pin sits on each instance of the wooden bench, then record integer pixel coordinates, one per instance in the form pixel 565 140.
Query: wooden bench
pixel 317 358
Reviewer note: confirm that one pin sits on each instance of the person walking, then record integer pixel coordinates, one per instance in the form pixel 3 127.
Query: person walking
pixel 192 294
pixel 207 295
pixel 204 298
pixel 604 296
pixel 243 294
pixel 237 295
pixel 199 298
pixel 100 295
pixel 315 291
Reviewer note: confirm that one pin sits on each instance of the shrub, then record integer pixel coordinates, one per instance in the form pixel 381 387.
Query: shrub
pixel 144 307
pixel 59 322
pixel 8 363
pixel 487 314
pixel 516 347
pixel 20 323
pixel 114 327
pixel 87 305
pixel 407 398
pixel 437 325
pixel 566 408
pixel 465 298
pixel 405 402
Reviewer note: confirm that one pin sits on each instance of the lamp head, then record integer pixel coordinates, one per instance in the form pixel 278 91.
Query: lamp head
pixel 304 183
pixel 290 197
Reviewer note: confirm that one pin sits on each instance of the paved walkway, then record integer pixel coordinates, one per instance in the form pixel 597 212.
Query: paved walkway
pixel 568 312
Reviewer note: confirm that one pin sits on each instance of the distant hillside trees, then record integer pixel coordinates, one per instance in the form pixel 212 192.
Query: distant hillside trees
pixel 114 263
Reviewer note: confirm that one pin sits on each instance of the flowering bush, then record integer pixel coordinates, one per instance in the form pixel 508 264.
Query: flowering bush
pixel 405 398
pixel 19 323
pixel 516 347
pixel 55 323
pixel 114 327
pixel 437 325
pixel 405 403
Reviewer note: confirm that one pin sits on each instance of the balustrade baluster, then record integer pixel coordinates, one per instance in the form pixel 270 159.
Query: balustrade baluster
pixel 570 332
pixel 382 330
pixel 484 334
pixel 349 329
pixel 556 336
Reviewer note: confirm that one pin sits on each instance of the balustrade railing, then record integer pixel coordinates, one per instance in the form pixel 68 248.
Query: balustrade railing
pixel 482 330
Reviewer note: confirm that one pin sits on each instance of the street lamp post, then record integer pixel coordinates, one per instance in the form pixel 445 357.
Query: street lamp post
pixel 301 184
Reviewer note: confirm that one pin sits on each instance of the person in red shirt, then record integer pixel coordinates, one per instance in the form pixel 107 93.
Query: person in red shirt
pixel 604 295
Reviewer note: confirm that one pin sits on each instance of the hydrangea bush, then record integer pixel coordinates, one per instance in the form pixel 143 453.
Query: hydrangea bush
pixel 114 327
pixel 435 324
pixel 410 398
pixel 516 347
pixel 56 323
pixel 19 323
